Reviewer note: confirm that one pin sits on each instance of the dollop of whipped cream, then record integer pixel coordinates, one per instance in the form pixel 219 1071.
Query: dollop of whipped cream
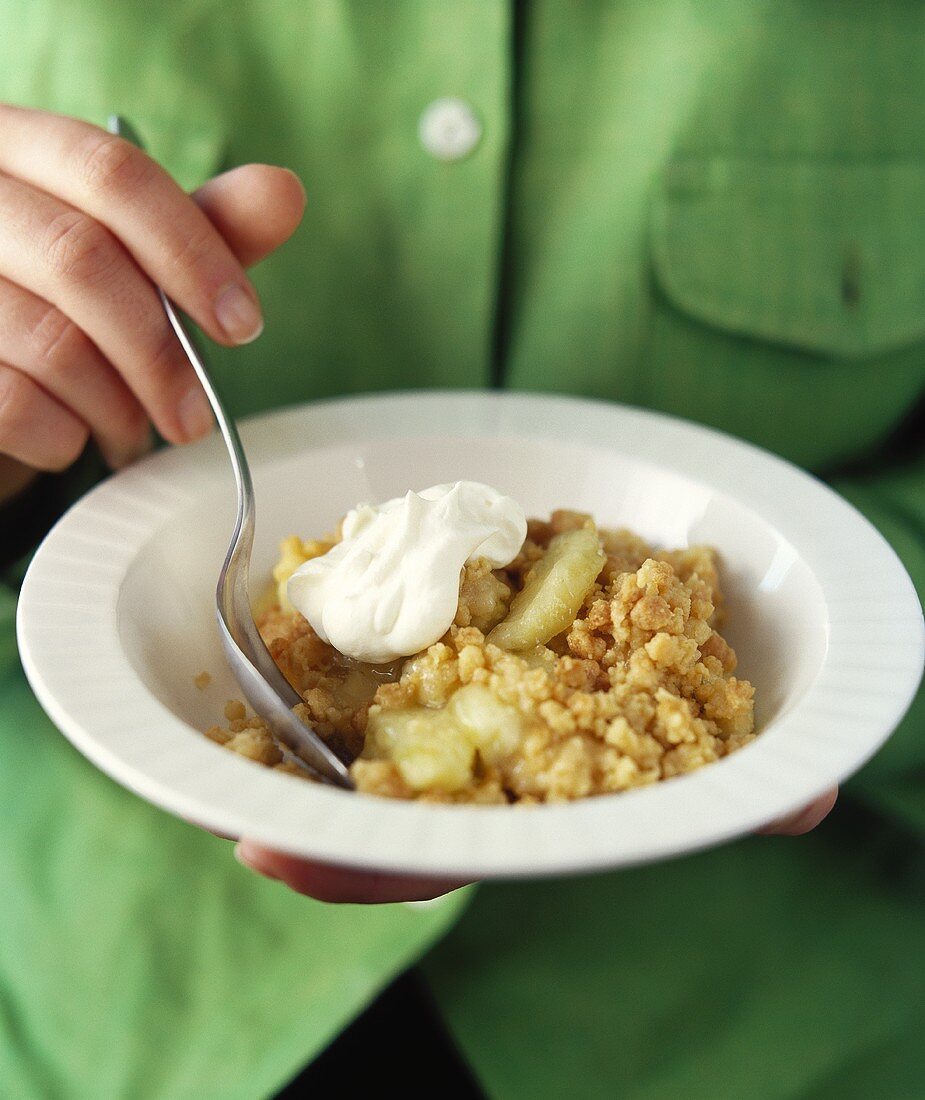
pixel 390 588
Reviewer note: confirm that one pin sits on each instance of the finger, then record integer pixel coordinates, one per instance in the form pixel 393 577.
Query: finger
pixel 256 208
pixel 39 340
pixel 326 882
pixel 65 257
pixel 206 829
pixel 34 427
pixel 803 820
pixel 124 189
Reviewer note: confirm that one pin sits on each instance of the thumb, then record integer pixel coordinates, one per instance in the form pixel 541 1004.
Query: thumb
pixel 326 882
pixel 255 208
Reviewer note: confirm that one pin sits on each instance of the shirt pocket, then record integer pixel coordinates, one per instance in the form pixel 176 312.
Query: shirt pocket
pixel 779 285
pixel 189 143
pixel 165 69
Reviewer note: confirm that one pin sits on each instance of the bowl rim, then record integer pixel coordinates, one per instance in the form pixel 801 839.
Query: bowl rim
pixel 870 672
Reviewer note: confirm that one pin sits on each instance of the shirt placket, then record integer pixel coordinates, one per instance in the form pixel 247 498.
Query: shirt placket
pixel 456 142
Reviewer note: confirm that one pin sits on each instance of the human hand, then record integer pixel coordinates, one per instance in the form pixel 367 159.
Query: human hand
pixel 805 820
pixel 88 225
pixel 325 882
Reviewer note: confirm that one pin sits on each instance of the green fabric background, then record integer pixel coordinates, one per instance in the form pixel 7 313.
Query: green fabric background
pixel 744 972
pixel 138 959
pixel 710 207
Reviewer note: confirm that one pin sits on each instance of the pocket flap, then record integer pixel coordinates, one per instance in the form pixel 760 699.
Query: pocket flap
pixel 829 257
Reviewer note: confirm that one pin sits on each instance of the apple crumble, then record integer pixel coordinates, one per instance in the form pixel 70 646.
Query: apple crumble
pixel 591 664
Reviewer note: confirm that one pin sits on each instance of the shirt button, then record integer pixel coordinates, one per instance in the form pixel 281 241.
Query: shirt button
pixel 449 129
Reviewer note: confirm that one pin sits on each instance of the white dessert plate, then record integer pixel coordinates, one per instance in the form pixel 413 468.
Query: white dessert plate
pixel 117 617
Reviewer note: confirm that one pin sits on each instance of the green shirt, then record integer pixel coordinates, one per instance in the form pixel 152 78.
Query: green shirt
pixel 711 207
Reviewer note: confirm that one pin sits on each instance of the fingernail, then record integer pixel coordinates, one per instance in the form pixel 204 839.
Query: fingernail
pixel 238 314
pixel 117 458
pixel 244 856
pixel 240 854
pixel 195 413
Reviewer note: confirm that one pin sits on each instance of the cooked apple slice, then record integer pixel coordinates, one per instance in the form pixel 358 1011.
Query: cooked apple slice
pixel 553 592
pixel 434 749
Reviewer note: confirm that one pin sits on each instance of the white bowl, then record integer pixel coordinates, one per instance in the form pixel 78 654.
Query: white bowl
pixel 117 617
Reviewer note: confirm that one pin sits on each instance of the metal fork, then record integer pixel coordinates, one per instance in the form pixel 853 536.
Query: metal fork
pixel 264 686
